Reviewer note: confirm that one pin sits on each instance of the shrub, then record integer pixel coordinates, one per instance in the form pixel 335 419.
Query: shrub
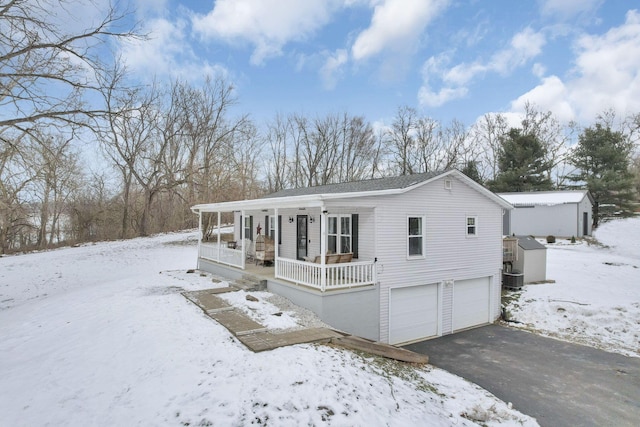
pixel 573 239
pixel 551 239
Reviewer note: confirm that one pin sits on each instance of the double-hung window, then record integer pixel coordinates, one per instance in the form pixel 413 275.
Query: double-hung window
pixel 272 227
pixel 472 226
pixel 339 234
pixel 415 236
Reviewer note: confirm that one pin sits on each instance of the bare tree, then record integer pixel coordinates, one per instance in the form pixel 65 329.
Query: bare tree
pixel 401 137
pixel 486 135
pixel 48 71
pixel 276 166
pixel 15 176
pixel 57 176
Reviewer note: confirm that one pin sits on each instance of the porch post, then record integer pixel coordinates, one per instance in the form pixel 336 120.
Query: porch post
pixel 323 248
pixel 244 249
pixel 276 245
pixel 199 237
pixel 219 231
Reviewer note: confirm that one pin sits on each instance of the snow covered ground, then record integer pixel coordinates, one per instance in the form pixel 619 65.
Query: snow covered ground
pixel 596 297
pixel 99 335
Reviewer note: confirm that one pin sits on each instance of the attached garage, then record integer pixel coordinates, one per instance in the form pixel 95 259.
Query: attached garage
pixel 413 313
pixel 471 303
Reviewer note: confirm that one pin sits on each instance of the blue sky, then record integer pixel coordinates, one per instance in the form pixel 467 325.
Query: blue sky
pixel 449 59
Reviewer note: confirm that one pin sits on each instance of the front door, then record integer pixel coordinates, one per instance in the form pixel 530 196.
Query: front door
pixel 301 236
pixel 585 223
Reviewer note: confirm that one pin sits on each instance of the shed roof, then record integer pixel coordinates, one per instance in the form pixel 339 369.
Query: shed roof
pixel 529 243
pixel 545 198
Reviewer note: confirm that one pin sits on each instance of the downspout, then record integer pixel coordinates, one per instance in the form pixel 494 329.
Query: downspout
pixel 323 248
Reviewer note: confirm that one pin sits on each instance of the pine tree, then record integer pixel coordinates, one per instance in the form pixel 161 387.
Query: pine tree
pixel 471 170
pixel 522 165
pixel 603 158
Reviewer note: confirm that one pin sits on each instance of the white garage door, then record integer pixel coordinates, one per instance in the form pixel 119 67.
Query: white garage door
pixel 413 313
pixel 471 303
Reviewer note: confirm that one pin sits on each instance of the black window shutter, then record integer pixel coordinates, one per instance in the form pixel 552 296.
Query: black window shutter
pixel 354 235
pixel 266 226
pixel 279 229
pixel 251 228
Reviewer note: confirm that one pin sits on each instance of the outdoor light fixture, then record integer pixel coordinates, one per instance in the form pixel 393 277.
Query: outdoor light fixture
pixel 325 212
pixel 311 219
pixel 290 218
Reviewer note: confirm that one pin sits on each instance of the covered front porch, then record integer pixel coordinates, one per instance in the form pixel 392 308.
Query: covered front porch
pixel 309 244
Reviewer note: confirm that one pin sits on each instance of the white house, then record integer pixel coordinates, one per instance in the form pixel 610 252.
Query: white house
pixel 544 213
pixel 424 252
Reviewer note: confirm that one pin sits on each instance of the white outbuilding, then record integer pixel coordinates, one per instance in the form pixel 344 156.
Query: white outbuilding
pixel 544 213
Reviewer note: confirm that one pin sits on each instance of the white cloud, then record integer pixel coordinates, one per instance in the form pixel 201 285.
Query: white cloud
pixel 550 95
pixel 266 24
pixel 564 9
pixel 523 47
pixel 166 52
pixel 605 76
pixel 396 24
pixel 332 69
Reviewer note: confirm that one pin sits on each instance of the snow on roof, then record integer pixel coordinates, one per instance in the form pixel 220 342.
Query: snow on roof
pixel 544 198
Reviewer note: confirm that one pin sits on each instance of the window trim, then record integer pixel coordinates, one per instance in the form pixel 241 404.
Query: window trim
pixel 338 235
pixel 423 236
pixel 474 226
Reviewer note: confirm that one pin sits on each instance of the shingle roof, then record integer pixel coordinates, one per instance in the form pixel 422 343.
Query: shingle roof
pixel 391 183
pixel 529 243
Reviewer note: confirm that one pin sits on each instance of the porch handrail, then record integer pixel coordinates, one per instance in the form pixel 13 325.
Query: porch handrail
pixel 219 252
pixel 336 276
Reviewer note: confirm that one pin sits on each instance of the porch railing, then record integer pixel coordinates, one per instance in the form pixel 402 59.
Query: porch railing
pixel 337 276
pixel 221 253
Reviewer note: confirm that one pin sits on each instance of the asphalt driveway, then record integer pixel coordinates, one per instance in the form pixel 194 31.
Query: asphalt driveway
pixel 558 383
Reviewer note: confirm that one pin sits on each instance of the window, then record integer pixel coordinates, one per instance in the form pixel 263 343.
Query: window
pixel 472 226
pixel 339 234
pixel 248 225
pixel 415 233
pixel 272 227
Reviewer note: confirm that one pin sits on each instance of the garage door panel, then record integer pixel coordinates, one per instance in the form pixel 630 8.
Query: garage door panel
pixel 413 313
pixel 471 302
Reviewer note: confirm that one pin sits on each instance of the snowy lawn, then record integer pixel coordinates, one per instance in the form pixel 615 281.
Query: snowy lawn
pixel 99 335
pixel 596 297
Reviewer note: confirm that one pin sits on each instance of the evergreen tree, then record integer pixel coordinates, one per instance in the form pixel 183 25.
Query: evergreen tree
pixel 603 159
pixel 471 170
pixel 522 165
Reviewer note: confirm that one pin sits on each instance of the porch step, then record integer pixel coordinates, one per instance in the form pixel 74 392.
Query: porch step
pixel 250 283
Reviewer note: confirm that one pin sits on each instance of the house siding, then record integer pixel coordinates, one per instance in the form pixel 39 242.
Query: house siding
pixel 450 254
pixel 556 220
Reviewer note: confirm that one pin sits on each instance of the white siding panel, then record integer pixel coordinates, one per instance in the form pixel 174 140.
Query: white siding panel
pixel 557 220
pixel 414 313
pixel 450 254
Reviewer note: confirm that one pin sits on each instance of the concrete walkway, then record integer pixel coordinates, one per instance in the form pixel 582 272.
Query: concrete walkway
pixel 558 383
pixel 249 332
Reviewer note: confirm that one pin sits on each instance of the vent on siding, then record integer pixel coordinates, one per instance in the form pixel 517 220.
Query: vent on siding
pixel 447 184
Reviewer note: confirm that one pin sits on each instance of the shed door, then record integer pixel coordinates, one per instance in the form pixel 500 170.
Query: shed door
pixel 471 302
pixel 413 313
